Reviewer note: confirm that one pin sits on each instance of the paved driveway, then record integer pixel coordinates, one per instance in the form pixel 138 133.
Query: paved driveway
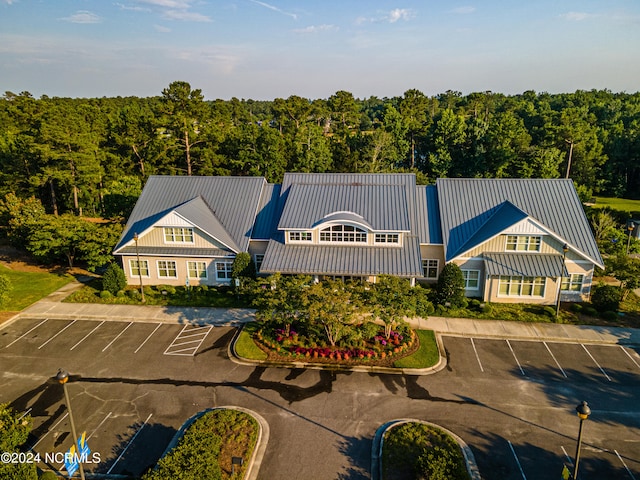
pixel 134 383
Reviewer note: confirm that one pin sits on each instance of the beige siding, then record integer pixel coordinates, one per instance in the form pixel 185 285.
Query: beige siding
pixel 432 252
pixel 181 267
pixel 474 264
pixel 155 238
pixel 499 244
pixel 550 291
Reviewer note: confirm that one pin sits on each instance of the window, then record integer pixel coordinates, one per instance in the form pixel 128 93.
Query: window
pixel 299 236
pixel 197 269
pixel 387 238
pixel 223 270
pixel 258 258
pixel 343 233
pixel 167 269
pixel 178 235
pixel 471 279
pixel 143 271
pixel 523 243
pixel 430 268
pixel 572 283
pixel 515 286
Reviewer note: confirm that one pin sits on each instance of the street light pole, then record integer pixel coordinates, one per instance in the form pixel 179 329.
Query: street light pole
pixel 135 238
pixel 565 249
pixel 62 378
pixel 583 411
pixel 630 229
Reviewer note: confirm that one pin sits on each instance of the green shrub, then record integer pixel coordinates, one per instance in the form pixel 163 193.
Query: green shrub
pixel 134 294
pixel 170 289
pixel 450 286
pixel 114 279
pixel 576 307
pixel 590 311
pixel 606 298
pixel 48 475
pixel 609 316
pixel 5 288
pixel 121 294
pixel 105 294
pixel 549 311
pixel 148 290
pixel 440 463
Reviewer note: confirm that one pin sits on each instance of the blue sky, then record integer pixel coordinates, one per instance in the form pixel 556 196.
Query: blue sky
pixel 277 48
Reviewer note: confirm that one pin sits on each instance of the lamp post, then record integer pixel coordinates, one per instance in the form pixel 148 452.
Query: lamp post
pixel 630 229
pixel 583 412
pixel 135 238
pixel 62 378
pixel 565 249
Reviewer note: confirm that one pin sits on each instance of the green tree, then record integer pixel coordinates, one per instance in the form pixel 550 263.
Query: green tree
pixel 391 301
pixel 184 117
pixel 330 305
pixel 243 268
pixel 114 279
pixel 414 108
pixel 14 431
pixel 626 270
pixel 19 216
pixel 450 286
pixel 281 299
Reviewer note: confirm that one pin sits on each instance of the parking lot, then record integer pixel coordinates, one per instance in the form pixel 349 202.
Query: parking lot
pixel 134 383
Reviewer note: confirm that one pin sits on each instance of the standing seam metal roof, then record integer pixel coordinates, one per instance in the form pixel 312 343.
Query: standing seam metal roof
pixel 465 205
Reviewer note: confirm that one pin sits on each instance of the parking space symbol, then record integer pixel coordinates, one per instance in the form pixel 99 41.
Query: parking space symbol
pixel 188 340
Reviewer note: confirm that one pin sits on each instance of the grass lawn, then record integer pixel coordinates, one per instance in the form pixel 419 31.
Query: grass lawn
pixel 29 287
pixel 426 356
pixel 621 204
pixel 246 347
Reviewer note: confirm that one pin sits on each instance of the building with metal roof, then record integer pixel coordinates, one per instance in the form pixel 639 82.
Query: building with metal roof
pixel 515 240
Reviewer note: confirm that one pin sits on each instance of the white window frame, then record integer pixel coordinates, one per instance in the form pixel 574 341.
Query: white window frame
pixel 258 258
pixel 166 268
pixel 302 237
pixel 429 264
pixel 574 283
pixel 393 238
pixel 523 243
pixel 521 285
pixel 466 273
pixel 145 266
pixel 227 270
pixel 337 234
pixel 199 268
pixel 179 235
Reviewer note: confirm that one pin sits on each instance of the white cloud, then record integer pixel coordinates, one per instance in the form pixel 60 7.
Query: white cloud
pixel 161 28
pixel 275 9
pixel 577 16
pixel 399 14
pixel 317 29
pixel 8 2
pixel 186 16
pixel 464 10
pixel 179 4
pixel 132 8
pixel 83 16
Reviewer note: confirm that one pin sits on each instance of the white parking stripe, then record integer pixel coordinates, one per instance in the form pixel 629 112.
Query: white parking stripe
pixel 477 357
pixel 87 335
pixel 517 461
pixel 146 339
pixel 594 361
pixel 554 359
pixel 628 355
pixel 42 437
pixel 56 334
pixel 517 361
pixel 567 455
pixel 625 465
pixel 25 334
pixel 111 342
pixel 203 331
pixel 99 425
pixel 129 444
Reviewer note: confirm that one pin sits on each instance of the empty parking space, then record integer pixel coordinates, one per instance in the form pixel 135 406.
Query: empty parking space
pixel 188 340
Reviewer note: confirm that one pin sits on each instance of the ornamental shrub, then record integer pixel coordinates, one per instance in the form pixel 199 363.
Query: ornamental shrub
pixel 5 288
pixel 606 298
pixel 450 286
pixel 114 279
pixel 105 294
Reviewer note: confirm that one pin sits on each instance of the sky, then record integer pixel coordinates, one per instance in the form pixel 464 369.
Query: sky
pixel 266 49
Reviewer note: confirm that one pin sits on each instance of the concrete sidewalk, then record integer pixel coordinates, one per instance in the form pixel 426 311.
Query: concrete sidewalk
pixel 52 307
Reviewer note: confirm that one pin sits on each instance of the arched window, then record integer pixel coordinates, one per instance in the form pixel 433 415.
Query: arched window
pixel 343 233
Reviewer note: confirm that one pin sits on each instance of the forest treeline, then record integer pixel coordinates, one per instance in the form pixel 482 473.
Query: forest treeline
pixel 91 156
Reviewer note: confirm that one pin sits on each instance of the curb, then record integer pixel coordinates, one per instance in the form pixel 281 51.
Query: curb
pixel 251 473
pixel 378 441
pixel 442 362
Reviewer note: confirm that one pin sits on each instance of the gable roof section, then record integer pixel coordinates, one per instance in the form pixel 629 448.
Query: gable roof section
pixel 268 213
pixel 466 204
pixel 496 220
pixel 232 203
pixel 524 264
pixel 384 201
pixel 428 215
